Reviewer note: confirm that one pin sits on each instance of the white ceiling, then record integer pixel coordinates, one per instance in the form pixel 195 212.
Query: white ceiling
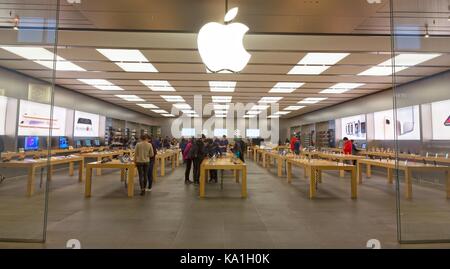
pixel 274 43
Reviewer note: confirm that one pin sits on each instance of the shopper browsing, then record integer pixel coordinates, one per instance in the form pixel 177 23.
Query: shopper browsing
pixel 142 154
pixel 347 147
pixel 151 165
pixel 188 160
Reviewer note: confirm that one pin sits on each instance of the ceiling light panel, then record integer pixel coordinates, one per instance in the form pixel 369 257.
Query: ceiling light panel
pixel 270 100
pixel 160 111
pixel 316 63
pixel 173 98
pixel 342 88
pixel 221 99
pixel 322 58
pixel 123 55
pixel 44 57
pixel 273 116
pixel 402 62
pixel 249 116
pixel 286 87
pixel 167 115
pixel 158 85
pixel 222 86
pixel 101 84
pixel 218 107
pixel 138 67
pixel 182 106
pixel 254 112
pixel 147 105
pixel 131 98
pixel 312 100
pixel 293 108
pixel 282 112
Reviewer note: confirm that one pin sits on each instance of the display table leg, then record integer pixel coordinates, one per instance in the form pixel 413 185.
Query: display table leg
pixel 244 182
pixel 354 184
pixel 88 186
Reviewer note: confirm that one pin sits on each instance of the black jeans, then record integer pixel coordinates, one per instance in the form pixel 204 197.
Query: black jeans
pixel 142 171
pixel 151 165
pixel 188 169
pixel 197 163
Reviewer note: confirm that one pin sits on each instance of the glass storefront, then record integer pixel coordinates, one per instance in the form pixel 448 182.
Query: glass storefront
pixel 29 123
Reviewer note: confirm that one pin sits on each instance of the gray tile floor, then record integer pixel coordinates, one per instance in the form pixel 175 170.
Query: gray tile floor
pixel 275 215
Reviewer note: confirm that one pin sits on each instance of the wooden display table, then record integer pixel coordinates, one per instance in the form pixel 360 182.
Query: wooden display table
pixel 32 164
pixel 341 158
pixel 104 154
pixel 315 168
pixel 115 164
pixel 224 164
pixel 280 160
pixel 160 161
pixel 336 150
pixel 45 152
pixel 405 156
pixel 408 168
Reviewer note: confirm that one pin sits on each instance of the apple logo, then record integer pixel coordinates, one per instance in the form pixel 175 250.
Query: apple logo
pixel 221 46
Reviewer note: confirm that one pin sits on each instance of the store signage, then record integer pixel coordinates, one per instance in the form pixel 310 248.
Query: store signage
pixel 221 45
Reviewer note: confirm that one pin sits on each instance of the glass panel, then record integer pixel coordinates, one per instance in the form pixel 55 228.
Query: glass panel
pixel 28 121
pixel 421 120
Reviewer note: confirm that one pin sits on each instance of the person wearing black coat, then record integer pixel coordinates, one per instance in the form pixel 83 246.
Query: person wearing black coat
pixel 197 153
pixel 212 148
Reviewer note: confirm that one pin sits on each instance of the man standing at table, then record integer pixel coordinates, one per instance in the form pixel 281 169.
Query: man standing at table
pixel 142 154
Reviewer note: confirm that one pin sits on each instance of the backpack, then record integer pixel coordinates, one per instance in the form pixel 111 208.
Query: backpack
pixel 193 151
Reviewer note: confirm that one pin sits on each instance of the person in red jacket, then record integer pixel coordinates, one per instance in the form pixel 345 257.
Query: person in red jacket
pixel 293 141
pixel 348 146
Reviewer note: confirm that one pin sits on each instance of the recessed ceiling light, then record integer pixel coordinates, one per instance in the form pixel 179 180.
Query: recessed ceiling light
pixel 402 62
pixel 316 63
pixel 173 98
pixel 342 88
pixel 137 67
pixel 188 111
pixel 221 99
pixel 158 85
pixel 147 105
pixel 270 100
pixel 160 111
pixel 220 116
pixel 273 116
pixel 222 86
pixel 260 107
pixel 217 107
pixel 167 115
pixel 131 98
pixel 254 112
pixel 282 112
pixel 44 57
pixel 294 108
pixel 322 58
pixel 312 100
pixel 101 84
pixel 123 55
pixel 249 116
pixel 286 87
pixel 182 106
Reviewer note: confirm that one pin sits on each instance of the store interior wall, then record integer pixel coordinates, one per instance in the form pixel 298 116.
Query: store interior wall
pixel 424 91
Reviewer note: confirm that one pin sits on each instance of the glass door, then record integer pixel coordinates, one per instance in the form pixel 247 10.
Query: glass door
pixel 421 119
pixel 27 122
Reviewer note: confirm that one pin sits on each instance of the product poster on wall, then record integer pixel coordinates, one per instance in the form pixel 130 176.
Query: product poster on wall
pixel 406 126
pixel 86 124
pixel 354 127
pixel 35 120
pixel 441 120
pixel 3 103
